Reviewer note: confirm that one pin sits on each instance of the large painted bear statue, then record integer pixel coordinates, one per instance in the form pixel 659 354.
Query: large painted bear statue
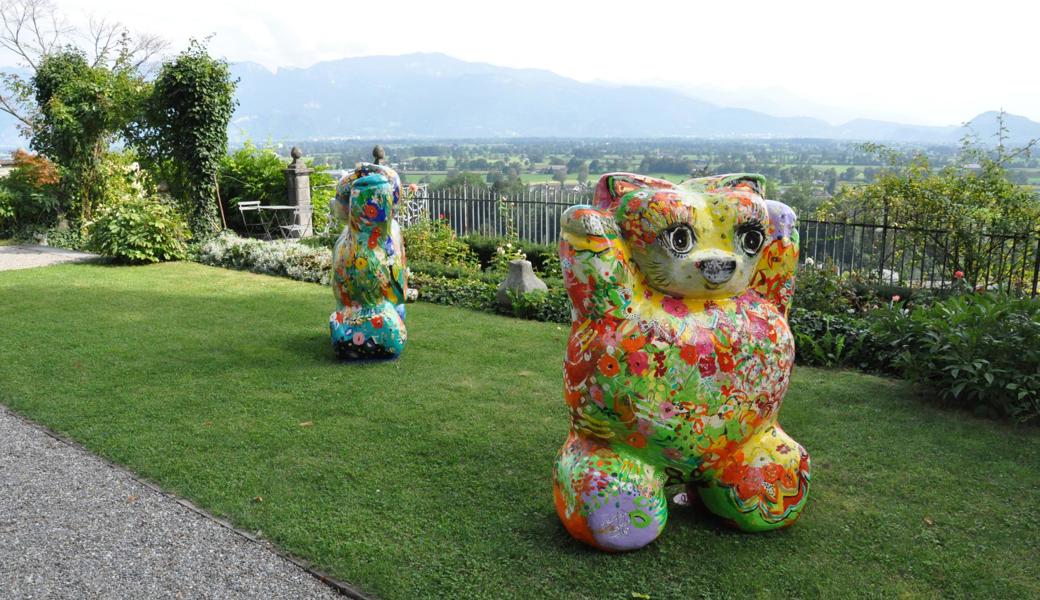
pixel 369 275
pixel 678 359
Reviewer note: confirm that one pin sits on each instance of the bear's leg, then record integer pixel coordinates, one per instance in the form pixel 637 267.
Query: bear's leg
pixel 372 332
pixel 761 486
pixel 607 500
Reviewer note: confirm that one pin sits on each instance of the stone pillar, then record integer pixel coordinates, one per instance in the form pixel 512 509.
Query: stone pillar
pixel 298 180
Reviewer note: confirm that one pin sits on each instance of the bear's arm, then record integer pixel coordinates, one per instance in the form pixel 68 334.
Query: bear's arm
pixel 774 275
pixel 592 257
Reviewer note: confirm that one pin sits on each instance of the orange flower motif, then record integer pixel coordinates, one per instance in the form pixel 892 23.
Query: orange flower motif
pixel 636 440
pixel 689 354
pixel 608 365
pixel 726 362
pixel 377 321
pixel 633 344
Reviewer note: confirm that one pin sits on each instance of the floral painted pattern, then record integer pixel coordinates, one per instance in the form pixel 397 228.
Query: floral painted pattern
pixel 369 275
pixel 678 359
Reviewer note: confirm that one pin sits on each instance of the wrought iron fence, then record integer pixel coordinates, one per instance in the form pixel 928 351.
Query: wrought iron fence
pixel 532 216
pixel 889 248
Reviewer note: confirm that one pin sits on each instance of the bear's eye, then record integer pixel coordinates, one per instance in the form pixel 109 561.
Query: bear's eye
pixel 751 238
pixel 679 239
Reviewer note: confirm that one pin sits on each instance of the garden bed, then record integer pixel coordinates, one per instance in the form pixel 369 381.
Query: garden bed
pixel 429 476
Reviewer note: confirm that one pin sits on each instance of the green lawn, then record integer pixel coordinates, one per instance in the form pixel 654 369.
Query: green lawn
pixel 429 476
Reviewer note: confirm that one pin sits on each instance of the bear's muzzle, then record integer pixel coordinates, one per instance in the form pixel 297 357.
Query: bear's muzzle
pixel 717 270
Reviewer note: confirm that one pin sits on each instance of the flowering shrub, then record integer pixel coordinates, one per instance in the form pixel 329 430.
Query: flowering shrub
pixel 819 287
pixel 544 258
pixel 505 254
pixel 980 351
pixel 465 292
pixel 283 258
pixel 830 340
pixel 138 230
pixel 435 241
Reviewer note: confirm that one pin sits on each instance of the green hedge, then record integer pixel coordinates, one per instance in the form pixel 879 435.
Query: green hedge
pixel 540 255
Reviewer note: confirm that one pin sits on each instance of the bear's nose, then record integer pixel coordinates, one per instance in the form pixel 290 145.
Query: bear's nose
pixel 716 270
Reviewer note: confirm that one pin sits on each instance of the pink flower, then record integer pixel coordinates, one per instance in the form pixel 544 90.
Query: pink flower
pixel 359 338
pixel 958 274
pixel 597 395
pixel 896 298
pixel 667 410
pixel 675 307
pixel 638 362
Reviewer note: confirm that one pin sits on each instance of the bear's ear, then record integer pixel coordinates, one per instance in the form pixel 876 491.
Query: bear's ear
pixel 752 182
pixel 612 187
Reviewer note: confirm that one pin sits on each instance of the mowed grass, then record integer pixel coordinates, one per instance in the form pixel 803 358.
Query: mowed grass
pixel 428 477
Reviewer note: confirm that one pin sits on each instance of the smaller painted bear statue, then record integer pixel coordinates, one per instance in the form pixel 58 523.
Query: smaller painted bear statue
pixel 369 275
pixel 678 359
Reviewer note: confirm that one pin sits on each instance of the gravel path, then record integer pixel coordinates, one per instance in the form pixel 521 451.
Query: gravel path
pixel 27 257
pixel 72 526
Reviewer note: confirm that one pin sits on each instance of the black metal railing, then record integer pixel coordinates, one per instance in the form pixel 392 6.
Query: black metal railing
pixel 899 249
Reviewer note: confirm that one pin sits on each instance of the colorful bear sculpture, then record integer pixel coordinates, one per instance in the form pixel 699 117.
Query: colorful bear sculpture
pixel 369 273
pixel 678 359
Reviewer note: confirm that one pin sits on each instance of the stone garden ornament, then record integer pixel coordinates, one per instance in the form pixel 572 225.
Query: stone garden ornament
pixel 678 359
pixel 369 274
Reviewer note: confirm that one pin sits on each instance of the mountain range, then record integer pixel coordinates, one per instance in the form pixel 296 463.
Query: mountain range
pixel 434 96
pixel 437 96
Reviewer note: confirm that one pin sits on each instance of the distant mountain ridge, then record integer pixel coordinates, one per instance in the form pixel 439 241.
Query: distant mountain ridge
pixel 437 96
pixel 434 96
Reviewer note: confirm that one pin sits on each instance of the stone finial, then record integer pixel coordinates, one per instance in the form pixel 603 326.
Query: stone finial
pixel 378 154
pixel 521 280
pixel 296 153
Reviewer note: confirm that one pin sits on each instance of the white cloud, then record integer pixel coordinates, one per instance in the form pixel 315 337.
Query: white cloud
pixel 929 62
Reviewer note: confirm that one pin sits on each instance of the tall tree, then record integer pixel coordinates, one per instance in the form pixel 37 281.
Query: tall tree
pixel 186 129
pixel 32 30
pixel 81 109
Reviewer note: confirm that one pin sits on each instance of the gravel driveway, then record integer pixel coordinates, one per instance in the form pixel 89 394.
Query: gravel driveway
pixel 72 526
pixel 27 257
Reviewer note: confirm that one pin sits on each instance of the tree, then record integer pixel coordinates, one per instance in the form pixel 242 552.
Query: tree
pixel 459 180
pixel 583 173
pixel 560 175
pixel 33 30
pixel 967 204
pixel 248 174
pixel 800 197
pixel 960 198
pixel 186 129
pixel 772 189
pixel 830 179
pixel 509 185
pixel 29 193
pixel 82 107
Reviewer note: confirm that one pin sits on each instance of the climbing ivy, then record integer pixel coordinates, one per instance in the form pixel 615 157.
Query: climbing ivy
pixel 186 130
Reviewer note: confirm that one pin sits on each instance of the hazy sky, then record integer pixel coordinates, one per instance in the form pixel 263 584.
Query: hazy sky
pixel 925 62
